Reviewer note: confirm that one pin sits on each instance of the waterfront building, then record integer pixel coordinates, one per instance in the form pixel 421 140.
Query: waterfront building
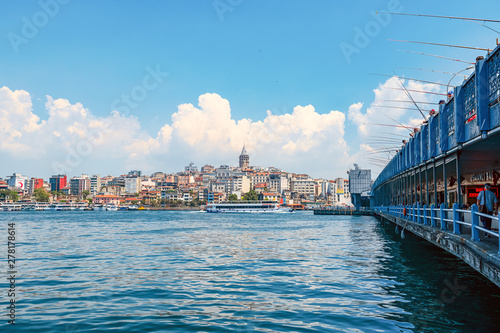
pixel 95 184
pixel 17 181
pixel 244 159
pixel 191 168
pixel 269 196
pixel 341 192
pixel 207 169
pixel 134 173
pixel 3 185
pixel 278 182
pixel 303 186
pixel 146 184
pixel 33 184
pixel 238 183
pixel 259 178
pixel 132 185
pixel 57 182
pixel 104 199
pixel 218 187
pixel 158 175
pixel 79 184
pixel 360 180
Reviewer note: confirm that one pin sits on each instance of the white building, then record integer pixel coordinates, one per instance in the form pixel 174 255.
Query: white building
pixel 95 184
pixel 17 181
pixel 304 186
pixel 238 183
pixel 278 183
pixel 132 185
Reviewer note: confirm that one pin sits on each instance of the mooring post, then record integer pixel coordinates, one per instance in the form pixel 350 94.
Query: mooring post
pixel 456 218
pixel 442 216
pixel 475 223
pixel 433 216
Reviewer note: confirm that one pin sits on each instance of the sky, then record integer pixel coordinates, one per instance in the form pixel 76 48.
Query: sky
pixel 105 87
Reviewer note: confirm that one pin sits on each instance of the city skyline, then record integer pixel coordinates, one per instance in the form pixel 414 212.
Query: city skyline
pixel 85 91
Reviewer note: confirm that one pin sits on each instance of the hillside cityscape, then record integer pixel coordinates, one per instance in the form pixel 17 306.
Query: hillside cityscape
pixel 191 187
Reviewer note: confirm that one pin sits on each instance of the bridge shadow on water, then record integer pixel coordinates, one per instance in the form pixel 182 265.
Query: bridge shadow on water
pixel 441 292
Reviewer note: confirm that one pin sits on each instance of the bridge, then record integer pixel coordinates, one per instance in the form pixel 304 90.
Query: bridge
pixel 437 175
pixel 454 230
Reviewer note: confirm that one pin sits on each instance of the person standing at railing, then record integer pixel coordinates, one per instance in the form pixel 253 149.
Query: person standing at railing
pixel 488 204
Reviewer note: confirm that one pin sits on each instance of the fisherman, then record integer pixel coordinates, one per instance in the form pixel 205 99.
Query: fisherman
pixel 432 112
pixel 488 203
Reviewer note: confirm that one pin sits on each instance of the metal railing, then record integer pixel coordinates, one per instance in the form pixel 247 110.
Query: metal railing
pixel 440 217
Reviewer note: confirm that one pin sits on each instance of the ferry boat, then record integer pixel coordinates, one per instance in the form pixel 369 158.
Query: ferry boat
pixel 247 207
pixel 11 207
pixel 60 207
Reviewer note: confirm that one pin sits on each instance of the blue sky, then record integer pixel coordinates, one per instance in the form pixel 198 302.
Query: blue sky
pixel 255 55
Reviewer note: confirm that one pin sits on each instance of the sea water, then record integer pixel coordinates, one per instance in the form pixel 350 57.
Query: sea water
pixel 166 271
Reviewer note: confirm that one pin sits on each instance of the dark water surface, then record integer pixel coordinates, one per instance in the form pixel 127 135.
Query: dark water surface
pixel 196 272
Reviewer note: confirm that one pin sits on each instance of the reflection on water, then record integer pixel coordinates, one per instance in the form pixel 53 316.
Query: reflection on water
pixel 191 271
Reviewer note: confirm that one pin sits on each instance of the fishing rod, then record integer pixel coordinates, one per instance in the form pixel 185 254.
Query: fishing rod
pixel 398 107
pixel 449 17
pixel 430 70
pixel 391 125
pixel 394 120
pixel 375 140
pixel 484 25
pixel 409 95
pixel 437 56
pixel 394 100
pixel 439 44
pixel 385 137
pixel 407 78
pixel 419 91
pixel 468 68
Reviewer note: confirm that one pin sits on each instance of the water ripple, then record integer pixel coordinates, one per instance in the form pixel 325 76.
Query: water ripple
pixel 183 271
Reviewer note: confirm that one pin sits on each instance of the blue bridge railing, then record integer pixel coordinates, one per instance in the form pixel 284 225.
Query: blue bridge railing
pixel 439 217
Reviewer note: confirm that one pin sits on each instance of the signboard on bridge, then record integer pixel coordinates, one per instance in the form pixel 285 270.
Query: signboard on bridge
pixel 473 192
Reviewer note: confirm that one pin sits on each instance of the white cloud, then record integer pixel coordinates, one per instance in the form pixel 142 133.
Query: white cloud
pixel 391 107
pixel 73 140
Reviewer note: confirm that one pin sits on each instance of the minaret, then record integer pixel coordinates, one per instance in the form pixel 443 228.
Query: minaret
pixel 244 159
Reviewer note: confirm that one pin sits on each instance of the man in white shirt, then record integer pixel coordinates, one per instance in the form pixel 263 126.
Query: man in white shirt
pixel 490 201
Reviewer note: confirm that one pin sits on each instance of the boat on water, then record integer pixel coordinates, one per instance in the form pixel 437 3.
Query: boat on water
pixel 11 207
pixel 99 207
pixel 60 207
pixel 111 207
pixel 133 207
pixel 247 207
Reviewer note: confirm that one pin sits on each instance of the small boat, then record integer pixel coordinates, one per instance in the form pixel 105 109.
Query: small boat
pixel 99 207
pixel 133 207
pixel 111 207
